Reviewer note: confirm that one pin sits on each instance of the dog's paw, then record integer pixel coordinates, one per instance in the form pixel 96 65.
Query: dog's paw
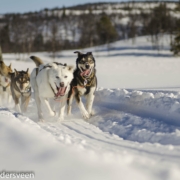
pixel 61 118
pixel 85 115
pixel 91 113
pixel 41 120
pixel 53 113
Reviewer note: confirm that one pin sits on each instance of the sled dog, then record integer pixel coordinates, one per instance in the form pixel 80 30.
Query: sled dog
pixel 5 92
pixel 20 89
pixel 84 83
pixel 50 80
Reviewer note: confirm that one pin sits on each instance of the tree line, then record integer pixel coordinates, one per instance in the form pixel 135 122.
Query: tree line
pixel 31 32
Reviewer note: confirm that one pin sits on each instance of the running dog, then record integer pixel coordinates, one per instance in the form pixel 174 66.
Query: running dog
pixel 20 88
pixel 51 80
pixel 83 84
pixel 5 92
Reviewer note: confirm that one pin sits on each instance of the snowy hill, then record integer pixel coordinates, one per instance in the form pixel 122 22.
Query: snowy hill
pixel 135 130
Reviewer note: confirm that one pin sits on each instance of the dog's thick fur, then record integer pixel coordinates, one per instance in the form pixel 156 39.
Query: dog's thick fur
pixel 21 89
pixel 83 84
pixel 51 81
pixel 5 92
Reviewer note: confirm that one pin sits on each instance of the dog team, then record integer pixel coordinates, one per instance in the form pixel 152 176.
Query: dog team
pixel 57 81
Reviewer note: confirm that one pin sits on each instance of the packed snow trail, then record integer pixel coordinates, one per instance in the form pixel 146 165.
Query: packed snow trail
pixel 113 114
pixel 110 145
pixel 86 136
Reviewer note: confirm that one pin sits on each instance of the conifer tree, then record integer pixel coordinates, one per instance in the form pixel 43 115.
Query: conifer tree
pixel 175 46
pixel 105 30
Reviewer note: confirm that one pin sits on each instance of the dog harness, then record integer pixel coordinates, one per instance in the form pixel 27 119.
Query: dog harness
pixel 86 81
pixel 47 66
pixel 4 88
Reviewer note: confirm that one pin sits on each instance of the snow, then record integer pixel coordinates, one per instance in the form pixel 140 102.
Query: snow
pixel 133 134
pixel 115 8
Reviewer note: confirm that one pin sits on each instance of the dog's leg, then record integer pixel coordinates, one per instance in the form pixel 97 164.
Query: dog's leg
pixel 69 103
pixel 89 101
pixel 9 98
pixel 84 113
pixel 62 108
pixel 1 103
pixel 3 98
pixel 17 105
pixel 6 97
pixel 24 103
pixel 38 103
pixel 47 105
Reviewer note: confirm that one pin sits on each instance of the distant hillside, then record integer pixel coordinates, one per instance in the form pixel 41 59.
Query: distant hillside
pixel 87 25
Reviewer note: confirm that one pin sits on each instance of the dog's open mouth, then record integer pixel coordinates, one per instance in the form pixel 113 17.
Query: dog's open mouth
pixel 86 72
pixel 60 91
pixel 6 79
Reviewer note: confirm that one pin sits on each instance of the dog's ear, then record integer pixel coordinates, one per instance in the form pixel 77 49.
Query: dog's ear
pixel 89 53
pixel 27 71
pixel 10 65
pixel 16 72
pixel 70 68
pixel 2 65
pixel 79 53
pixel 11 74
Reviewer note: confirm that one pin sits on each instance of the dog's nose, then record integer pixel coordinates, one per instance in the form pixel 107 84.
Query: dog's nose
pixel 61 84
pixel 87 66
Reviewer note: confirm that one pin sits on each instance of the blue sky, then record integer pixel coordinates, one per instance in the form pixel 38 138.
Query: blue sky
pixel 20 6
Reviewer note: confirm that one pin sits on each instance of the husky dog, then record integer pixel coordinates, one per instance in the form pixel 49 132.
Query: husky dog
pixel 84 83
pixel 51 80
pixel 20 88
pixel 5 92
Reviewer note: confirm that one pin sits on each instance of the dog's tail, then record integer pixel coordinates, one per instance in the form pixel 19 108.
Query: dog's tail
pixel 1 58
pixel 37 60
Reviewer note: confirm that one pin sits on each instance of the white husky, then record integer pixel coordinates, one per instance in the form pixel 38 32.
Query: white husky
pixel 51 81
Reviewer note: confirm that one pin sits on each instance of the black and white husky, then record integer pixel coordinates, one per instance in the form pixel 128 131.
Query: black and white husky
pixel 83 84
pixel 51 80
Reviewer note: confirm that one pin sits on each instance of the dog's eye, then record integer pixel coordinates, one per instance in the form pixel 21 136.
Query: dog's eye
pixel 65 76
pixel 57 77
pixel 82 62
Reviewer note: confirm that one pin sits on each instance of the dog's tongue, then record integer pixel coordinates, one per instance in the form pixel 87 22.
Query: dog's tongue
pixel 6 80
pixel 85 73
pixel 61 91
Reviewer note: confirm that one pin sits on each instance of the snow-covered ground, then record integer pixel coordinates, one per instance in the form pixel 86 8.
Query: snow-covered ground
pixel 135 130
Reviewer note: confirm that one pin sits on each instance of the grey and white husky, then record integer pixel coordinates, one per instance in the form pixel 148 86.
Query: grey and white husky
pixel 21 89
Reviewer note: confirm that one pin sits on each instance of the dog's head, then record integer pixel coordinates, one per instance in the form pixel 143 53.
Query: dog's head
pixel 85 63
pixel 22 80
pixel 60 76
pixel 5 70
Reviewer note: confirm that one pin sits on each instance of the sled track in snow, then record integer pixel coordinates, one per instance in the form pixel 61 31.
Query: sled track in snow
pixel 86 136
pixel 127 114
